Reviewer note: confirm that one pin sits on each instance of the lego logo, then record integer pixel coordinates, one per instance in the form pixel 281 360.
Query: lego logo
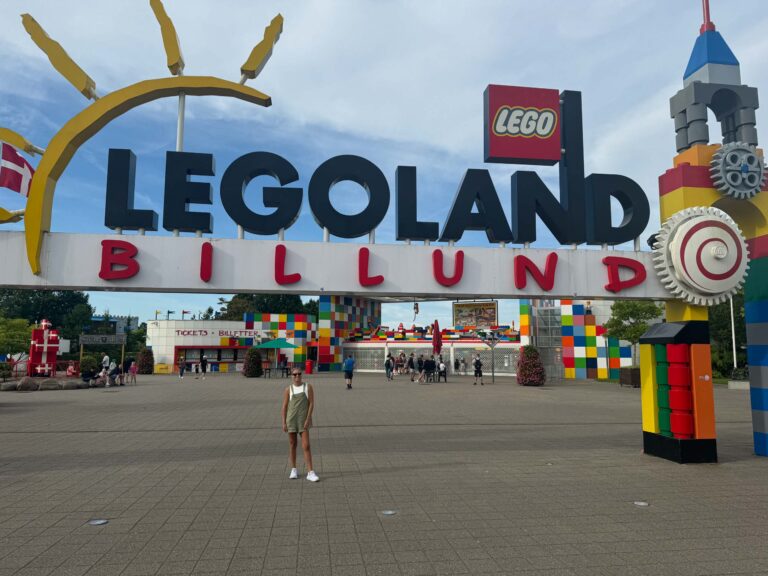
pixel 525 122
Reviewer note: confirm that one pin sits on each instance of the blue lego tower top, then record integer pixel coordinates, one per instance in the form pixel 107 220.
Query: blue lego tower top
pixel 710 48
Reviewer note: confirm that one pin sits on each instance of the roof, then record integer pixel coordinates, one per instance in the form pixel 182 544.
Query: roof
pixel 710 48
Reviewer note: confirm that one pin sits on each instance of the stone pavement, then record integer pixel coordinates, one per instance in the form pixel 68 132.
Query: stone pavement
pixel 193 478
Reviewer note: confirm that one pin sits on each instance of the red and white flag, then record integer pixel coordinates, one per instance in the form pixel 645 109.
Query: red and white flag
pixel 15 172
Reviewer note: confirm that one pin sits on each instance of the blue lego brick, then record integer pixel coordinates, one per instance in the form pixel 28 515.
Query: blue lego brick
pixel 578 309
pixel 579 341
pixel 591 362
pixel 759 398
pixel 761 444
pixel 756 312
pixel 710 48
pixel 581 373
pixel 567 331
pixel 625 352
pixel 757 355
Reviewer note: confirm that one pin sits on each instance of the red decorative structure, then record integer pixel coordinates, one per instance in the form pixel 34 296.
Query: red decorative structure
pixel 43 351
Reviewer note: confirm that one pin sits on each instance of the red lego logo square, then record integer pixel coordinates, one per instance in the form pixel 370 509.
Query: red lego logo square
pixel 522 125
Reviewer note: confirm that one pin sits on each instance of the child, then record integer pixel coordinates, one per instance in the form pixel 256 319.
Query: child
pixel 133 371
pixel 298 404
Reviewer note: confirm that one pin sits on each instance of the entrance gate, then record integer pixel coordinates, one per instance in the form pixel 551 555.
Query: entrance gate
pixel 714 214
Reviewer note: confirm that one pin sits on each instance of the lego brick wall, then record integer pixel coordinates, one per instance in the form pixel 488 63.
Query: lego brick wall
pixel 587 351
pixel 298 329
pixel 340 318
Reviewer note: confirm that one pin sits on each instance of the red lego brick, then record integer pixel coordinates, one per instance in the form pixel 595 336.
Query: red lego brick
pixel 678 353
pixel 681 424
pixel 679 375
pixel 681 399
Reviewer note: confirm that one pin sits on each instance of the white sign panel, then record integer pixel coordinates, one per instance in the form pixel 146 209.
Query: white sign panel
pixel 189 264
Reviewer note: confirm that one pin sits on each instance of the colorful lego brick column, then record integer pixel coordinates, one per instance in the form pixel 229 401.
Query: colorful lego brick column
pixel 587 352
pixel 526 321
pixel 756 311
pixel 298 329
pixel 342 317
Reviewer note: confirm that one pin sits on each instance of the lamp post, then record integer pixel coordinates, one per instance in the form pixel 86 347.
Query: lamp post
pixel 490 339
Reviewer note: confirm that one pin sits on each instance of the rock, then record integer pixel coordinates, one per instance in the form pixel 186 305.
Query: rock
pixel 8 386
pixel 28 384
pixel 49 384
pixel 72 384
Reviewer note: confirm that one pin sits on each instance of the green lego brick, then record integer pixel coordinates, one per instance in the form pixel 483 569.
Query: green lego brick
pixel 756 286
pixel 580 362
pixel 660 351
pixel 567 320
pixel 591 341
pixel 664 425
pixel 662 395
pixel 662 378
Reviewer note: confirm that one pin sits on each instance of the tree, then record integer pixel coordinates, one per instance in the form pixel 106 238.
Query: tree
pixel 252 365
pixel 77 321
pixel 137 339
pixel 34 305
pixel 15 335
pixel 146 361
pixel 312 308
pixel 720 334
pixel 629 319
pixel 209 314
pixel 530 369
pixel 239 304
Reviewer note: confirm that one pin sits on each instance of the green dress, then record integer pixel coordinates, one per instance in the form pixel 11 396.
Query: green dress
pixel 298 407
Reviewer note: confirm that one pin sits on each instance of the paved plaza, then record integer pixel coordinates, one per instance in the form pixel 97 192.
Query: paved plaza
pixel 193 478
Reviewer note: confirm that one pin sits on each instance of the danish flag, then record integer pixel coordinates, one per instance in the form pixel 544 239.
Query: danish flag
pixel 15 172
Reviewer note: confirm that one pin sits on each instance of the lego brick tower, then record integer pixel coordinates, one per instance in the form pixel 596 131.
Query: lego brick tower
pixel 710 203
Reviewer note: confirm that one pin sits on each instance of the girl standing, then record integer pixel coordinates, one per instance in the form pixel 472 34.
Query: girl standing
pixel 298 404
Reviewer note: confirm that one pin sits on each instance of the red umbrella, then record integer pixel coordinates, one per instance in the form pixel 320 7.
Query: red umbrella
pixel 437 339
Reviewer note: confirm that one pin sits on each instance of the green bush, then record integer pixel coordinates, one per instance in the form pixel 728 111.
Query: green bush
pixel 530 369
pixel 89 365
pixel 5 371
pixel 252 365
pixel 145 363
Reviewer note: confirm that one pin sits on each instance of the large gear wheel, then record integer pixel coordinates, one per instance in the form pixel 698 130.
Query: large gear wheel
pixel 737 170
pixel 701 256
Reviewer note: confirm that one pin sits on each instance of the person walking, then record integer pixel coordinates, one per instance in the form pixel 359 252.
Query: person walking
pixel 411 366
pixel 463 365
pixel 478 366
pixel 389 366
pixel 182 366
pixel 349 367
pixel 204 365
pixel 298 404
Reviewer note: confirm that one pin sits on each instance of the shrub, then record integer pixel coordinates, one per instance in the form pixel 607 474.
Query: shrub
pixel 5 371
pixel 530 369
pixel 88 366
pixel 252 365
pixel 145 363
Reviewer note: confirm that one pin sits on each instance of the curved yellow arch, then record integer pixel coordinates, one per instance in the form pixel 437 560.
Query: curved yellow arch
pixel 82 127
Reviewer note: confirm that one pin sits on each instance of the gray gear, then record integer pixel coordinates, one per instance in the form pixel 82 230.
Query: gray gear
pixel 701 256
pixel 737 170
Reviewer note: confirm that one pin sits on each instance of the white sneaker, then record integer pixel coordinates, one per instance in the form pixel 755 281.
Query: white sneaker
pixel 312 477
pixel 294 474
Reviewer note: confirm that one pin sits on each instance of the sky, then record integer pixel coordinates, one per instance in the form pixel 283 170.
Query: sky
pixel 397 82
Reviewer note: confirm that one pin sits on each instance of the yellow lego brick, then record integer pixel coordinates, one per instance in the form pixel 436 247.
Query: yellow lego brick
pixel 570 373
pixel 602 373
pixel 648 390
pixel 282 317
pixel 590 331
pixel 698 155
pixel 224 341
pixel 525 320
pixel 591 352
pixel 686 197
pixel 325 332
pixel 223 367
pixel 677 311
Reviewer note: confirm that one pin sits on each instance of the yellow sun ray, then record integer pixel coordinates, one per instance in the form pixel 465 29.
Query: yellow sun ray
pixel 61 61
pixel 262 51
pixel 18 141
pixel 170 38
